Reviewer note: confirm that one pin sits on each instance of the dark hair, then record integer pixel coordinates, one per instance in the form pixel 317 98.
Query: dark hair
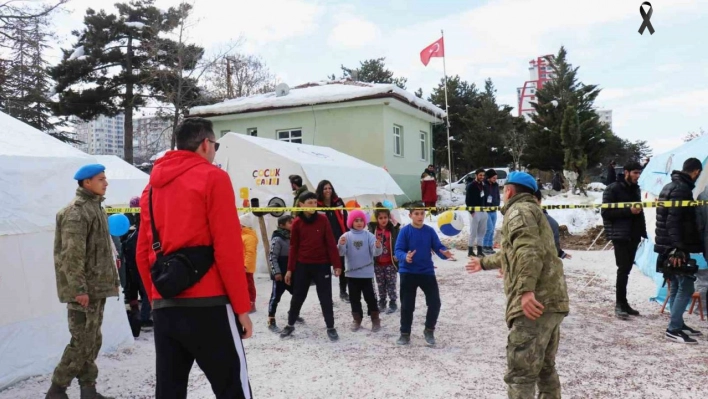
pixel 632 165
pixel 377 212
pixel 416 206
pixel 538 195
pixel 192 132
pixel 283 220
pixel 480 170
pixel 296 180
pixel 431 166
pixel 691 165
pixel 320 190
pixel 306 195
pixel 81 183
pixel 522 189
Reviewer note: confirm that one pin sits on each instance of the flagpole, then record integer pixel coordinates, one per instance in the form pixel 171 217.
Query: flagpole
pixel 447 115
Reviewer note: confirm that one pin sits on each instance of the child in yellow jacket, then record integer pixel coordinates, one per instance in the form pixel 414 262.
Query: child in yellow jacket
pixel 250 249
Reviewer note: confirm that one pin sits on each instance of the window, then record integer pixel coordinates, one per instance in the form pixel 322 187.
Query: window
pixel 291 136
pixel 423 146
pixel 397 141
pixel 252 131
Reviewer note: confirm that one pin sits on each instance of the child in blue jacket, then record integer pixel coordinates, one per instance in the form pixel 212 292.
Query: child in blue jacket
pixel 413 251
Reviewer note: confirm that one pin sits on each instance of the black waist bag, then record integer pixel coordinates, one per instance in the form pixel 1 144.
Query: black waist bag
pixel 687 267
pixel 175 272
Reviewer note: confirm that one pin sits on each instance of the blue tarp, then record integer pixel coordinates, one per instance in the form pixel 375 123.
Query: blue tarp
pixel 654 177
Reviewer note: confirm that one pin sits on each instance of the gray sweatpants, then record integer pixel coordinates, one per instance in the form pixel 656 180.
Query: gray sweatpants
pixel 478 228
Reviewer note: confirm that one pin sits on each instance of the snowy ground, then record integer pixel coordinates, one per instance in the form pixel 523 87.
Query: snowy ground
pixel 599 357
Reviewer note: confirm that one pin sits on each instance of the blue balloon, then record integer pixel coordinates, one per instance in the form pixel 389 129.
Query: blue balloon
pixel 388 204
pixel 118 224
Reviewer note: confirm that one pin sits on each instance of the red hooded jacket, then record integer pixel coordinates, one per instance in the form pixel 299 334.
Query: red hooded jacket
pixel 194 204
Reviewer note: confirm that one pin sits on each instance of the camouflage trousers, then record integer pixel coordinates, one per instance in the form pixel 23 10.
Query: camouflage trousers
pixel 531 357
pixel 79 358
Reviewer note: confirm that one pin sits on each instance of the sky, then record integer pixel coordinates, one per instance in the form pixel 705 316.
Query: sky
pixel 656 85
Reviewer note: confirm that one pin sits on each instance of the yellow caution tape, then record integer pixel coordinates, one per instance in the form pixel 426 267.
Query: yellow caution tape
pixel 619 205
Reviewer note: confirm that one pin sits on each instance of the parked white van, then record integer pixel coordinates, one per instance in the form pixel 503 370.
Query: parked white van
pixel 461 185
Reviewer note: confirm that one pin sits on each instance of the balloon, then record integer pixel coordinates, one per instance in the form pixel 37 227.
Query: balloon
pixel 450 223
pixel 118 224
pixel 388 204
pixel 352 205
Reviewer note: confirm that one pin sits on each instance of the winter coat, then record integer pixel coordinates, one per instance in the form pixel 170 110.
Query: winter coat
pixel 394 230
pixel 493 197
pixel 557 183
pixel 312 242
pixel 702 220
pixel 250 248
pixel 279 251
pixel 337 218
pixel 529 259
pixel 556 234
pixel 475 195
pixel 83 255
pixel 429 191
pixel 621 224
pixel 676 227
pixel 359 251
pixel 193 202
pixel 611 175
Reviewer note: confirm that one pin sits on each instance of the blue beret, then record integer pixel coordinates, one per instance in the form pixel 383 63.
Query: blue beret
pixel 522 179
pixel 89 171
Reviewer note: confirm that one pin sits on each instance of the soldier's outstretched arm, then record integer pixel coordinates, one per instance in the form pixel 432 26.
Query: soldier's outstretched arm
pixel 74 232
pixel 525 252
pixel 492 262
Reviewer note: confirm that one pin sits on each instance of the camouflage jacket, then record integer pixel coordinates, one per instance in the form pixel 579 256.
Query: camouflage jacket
pixel 528 258
pixel 83 256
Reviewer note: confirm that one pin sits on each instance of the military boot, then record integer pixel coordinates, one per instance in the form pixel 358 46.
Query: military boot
pixel 480 251
pixel 89 392
pixel 375 322
pixel 470 251
pixel 356 323
pixel 56 392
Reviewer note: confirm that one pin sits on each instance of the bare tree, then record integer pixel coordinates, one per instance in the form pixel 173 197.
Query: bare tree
pixel 238 75
pixel 14 15
pixel 516 141
pixel 693 135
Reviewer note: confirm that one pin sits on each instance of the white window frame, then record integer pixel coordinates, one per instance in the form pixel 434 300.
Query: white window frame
pixel 424 146
pixel 290 135
pixel 252 131
pixel 398 135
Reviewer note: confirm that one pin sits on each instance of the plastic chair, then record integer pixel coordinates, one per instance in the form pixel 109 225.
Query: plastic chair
pixel 696 298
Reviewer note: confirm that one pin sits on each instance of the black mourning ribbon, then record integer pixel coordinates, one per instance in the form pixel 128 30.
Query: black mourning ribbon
pixel 646 17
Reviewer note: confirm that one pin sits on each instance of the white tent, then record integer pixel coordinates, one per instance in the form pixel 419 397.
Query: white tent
pixel 655 176
pixel 125 181
pixel 259 168
pixel 36 181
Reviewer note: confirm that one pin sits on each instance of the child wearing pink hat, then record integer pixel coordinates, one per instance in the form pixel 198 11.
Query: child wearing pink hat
pixel 359 247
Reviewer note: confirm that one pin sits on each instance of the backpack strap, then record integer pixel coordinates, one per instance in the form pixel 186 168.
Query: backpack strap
pixel 156 246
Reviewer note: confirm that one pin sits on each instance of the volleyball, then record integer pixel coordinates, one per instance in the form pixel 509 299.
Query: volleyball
pixel 450 223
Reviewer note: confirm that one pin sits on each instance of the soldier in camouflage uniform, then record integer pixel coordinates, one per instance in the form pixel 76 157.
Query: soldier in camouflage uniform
pixel 86 275
pixel 534 284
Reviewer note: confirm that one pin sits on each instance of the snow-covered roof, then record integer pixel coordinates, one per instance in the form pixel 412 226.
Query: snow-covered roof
pixel 324 92
pixel 117 168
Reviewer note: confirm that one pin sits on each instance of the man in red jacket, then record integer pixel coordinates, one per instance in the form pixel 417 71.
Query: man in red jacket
pixel 194 205
pixel 313 252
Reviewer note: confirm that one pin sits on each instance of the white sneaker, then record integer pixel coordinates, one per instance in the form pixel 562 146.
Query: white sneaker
pixel 680 337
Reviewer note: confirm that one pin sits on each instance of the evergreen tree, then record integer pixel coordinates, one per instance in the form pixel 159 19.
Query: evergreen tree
pixel 419 92
pixel 112 64
pixel 372 71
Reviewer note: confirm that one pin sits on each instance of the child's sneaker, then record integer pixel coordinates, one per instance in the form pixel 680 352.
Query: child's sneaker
pixel 287 331
pixel 332 334
pixel 680 337
pixel 429 336
pixel 392 307
pixel 382 304
pixel 405 339
pixel 272 326
pixel 344 297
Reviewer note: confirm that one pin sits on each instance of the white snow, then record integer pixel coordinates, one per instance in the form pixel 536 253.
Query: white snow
pixel 78 52
pixel 315 93
pixel 137 25
pixel 596 186
pixel 599 356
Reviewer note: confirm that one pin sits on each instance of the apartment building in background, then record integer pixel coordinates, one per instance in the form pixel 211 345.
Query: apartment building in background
pixel 151 135
pixel 101 136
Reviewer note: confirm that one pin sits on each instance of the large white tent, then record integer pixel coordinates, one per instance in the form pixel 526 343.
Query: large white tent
pixel 655 176
pixel 36 181
pixel 259 168
pixel 125 181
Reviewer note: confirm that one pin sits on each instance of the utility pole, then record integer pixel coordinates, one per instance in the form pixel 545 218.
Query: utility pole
pixel 229 86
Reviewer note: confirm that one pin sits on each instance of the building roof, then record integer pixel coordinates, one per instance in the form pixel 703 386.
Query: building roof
pixel 324 92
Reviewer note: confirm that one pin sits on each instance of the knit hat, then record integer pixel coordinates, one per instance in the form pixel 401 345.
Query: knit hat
pixel 490 173
pixel 522 179
pixel 135 202
pixel 354 215
pixel 247 220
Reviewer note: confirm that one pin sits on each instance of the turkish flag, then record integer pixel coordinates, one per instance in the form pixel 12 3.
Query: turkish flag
pixel 436 49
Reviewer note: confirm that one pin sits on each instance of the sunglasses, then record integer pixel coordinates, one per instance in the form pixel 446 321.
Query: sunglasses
pixel 216 145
